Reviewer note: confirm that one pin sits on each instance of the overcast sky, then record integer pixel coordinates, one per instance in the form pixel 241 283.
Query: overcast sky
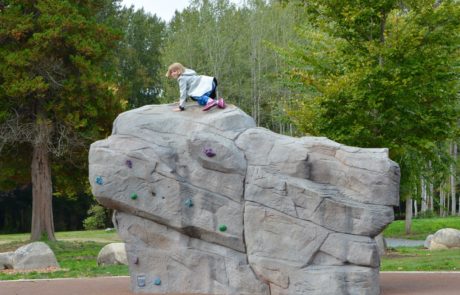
pixel 162 8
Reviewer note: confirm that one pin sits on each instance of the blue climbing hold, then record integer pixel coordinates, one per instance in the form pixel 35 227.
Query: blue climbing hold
pixel 129 163
pixel 99 180
pixel 209 152
pixel 157 281
pixel 188 203
pixel 141 281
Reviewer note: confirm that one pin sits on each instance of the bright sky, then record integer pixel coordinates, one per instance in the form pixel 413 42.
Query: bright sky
pixel 162 8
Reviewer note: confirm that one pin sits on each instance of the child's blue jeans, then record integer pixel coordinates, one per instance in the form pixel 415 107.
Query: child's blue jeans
pixel 202 100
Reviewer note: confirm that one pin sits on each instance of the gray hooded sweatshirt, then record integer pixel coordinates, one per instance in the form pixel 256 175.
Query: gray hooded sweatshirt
pixel 193 85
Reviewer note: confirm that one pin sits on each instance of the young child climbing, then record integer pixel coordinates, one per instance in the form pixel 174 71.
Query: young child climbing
pixel 202 89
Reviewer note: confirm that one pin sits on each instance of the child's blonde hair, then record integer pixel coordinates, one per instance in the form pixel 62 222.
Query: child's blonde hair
pixel 173 67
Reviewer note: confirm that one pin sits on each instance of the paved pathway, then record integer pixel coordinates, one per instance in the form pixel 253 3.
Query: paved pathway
pixel 403 243
pixel 391 283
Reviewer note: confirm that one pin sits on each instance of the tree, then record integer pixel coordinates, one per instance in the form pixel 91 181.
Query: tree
pixel 246 65
pixel 56 95
pixel 381 74
pixel 138 55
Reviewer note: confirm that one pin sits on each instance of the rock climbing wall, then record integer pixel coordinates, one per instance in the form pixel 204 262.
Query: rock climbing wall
pixel 208 203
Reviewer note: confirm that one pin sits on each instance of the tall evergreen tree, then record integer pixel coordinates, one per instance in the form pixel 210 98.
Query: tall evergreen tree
pixel 56 94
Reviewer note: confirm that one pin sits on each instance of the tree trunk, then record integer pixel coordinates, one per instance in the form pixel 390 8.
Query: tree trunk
pixel 452 178
pixel 431 197
pixel 442 201
pixel 42 190
pixel 408 215
pixel 424 199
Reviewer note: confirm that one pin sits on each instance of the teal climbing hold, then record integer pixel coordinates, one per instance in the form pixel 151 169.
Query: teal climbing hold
pixel 222 227
pixel 133 196
pixel 99 180
pixel 157 281
pixel 188 203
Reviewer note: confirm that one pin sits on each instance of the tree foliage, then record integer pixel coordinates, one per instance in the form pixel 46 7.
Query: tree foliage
pixel 56 93
pixel 138 56
pixel 203 37
pixel 381 74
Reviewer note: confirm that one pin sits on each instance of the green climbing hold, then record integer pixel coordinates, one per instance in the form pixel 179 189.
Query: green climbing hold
pixel 189 203
pixel 133 196
pixel 222 227
pixel 157 281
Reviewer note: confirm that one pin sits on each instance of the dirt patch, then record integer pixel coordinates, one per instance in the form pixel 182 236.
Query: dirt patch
pixel 38 270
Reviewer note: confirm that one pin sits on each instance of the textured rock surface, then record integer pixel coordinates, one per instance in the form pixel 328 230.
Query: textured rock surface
pixel 35 255
pixel 208 203
pixel 443 239
pixel 113 253
pixel 6 260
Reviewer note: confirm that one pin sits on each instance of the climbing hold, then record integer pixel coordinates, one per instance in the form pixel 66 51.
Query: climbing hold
pixel 99 180
pixel 141 281
pixel 135 260
pixel 222 227
pixel 133 196
pixel 209 152
pixel 129 163
pixel 157 281
pixel 188 203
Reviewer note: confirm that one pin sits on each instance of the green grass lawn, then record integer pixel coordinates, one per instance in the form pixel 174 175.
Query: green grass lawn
pixel 76 253
pixel 419 259
pixel 421 228
pixel 102 236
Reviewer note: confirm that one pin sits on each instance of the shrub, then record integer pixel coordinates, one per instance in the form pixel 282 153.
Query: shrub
pixel 98 218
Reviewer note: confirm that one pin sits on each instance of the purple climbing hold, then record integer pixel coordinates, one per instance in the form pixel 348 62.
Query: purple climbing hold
pixel 129 163
pixel 209 152
pixel 135 260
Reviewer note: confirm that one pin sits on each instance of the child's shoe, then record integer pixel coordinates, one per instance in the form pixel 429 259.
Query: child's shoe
pixel 211 103
pixel 221 103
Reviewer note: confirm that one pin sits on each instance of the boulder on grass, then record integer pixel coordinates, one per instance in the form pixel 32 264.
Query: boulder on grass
pixel 443 239
pixel 36 255
pixel 114 253
pixel 6 260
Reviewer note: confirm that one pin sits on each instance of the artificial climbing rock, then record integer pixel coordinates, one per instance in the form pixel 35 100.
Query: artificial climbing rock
pixel 300 214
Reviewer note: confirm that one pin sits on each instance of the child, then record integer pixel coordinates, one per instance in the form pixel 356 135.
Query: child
pixel 200 88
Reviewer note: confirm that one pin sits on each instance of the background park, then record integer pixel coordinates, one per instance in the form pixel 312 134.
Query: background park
pixel 362 73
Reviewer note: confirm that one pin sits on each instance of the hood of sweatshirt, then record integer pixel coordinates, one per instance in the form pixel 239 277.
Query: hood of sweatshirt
pixel 188 72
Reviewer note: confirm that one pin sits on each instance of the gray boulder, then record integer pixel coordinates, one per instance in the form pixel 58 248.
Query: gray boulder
pixel 6 260
pixel 113 253
pixel 36 255
pixel 209 203
pixel 443 239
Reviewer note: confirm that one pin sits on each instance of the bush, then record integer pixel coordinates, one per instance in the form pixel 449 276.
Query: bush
pixel 98 218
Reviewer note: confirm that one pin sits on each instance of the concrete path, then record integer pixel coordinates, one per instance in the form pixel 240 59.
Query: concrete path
pixel 391 283
pixel 392 243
